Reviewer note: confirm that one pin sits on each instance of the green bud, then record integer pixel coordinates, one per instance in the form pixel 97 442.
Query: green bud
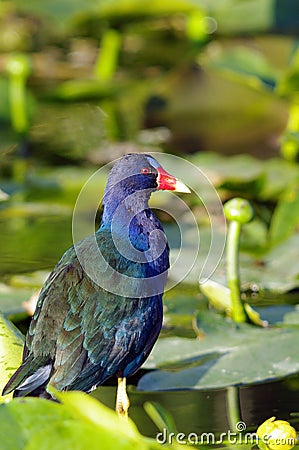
pixel 18 65
pixel 239 210
pixel 197 26
pixel 276 435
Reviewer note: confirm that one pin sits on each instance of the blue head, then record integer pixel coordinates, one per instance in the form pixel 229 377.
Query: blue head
pixel 134 177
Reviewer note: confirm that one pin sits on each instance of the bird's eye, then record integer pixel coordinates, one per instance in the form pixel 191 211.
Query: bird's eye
pixel 145 171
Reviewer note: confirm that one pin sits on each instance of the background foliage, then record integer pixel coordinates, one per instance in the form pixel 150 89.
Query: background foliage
pixel 82 82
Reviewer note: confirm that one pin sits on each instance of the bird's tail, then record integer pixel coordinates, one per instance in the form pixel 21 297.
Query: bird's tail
pixel 30 378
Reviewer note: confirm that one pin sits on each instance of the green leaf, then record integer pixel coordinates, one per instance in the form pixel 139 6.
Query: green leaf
pixel 285 218
pixel 228 355
pixel 22 419
pixel 68 434
pixel 277 271
pixel 70 11
pixel 266 180
pixel 219 296
pixel 237 170
pixel 89 410
pixel 135 8
pixel 160 416
pixel 79 422
pixel 289 81
pixel 11 349
pixel 254 237
pixel 72 90
pixel 106 64
pixel 279 174
pixel 247 16
pixel 254 316
pixel 247 65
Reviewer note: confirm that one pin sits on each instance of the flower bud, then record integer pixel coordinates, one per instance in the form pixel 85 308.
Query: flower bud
pixel 276 435
pixel 238 209
pixel 18 65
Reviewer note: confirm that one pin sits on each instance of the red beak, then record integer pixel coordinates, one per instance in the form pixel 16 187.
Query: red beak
pixel 167 182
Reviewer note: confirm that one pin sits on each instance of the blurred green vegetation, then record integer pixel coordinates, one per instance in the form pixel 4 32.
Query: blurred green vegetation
pixel 215 82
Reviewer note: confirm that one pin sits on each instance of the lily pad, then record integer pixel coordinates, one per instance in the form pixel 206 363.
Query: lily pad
pixel 267 179
pixel 238 170
pixel 70 12
pixel 285 219
pixel 228 355
pixel 279 174
pixel 277 271
pixel 247 65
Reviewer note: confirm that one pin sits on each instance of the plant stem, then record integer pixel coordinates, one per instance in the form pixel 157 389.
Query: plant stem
pixel 18 69
pixel 106 63
pixel 233 406
pixel 290 142
pixel 233 275
pixel 17 91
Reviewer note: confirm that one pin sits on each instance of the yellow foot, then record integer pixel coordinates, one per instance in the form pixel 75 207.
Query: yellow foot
pixel 122 400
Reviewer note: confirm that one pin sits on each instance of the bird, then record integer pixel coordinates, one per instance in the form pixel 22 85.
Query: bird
pixel 100 311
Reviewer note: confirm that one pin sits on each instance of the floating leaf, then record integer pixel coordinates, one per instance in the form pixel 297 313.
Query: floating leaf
pixel 285 218
pixel 235 170
pixel 277 271
pixel 247 65
pixel 112 9
pixel 268 179
pixel 67 12
pixel 254 237
pixel 279 173
pixel 228 355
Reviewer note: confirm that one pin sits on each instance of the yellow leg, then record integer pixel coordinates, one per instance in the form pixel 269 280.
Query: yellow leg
pixel 122 400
